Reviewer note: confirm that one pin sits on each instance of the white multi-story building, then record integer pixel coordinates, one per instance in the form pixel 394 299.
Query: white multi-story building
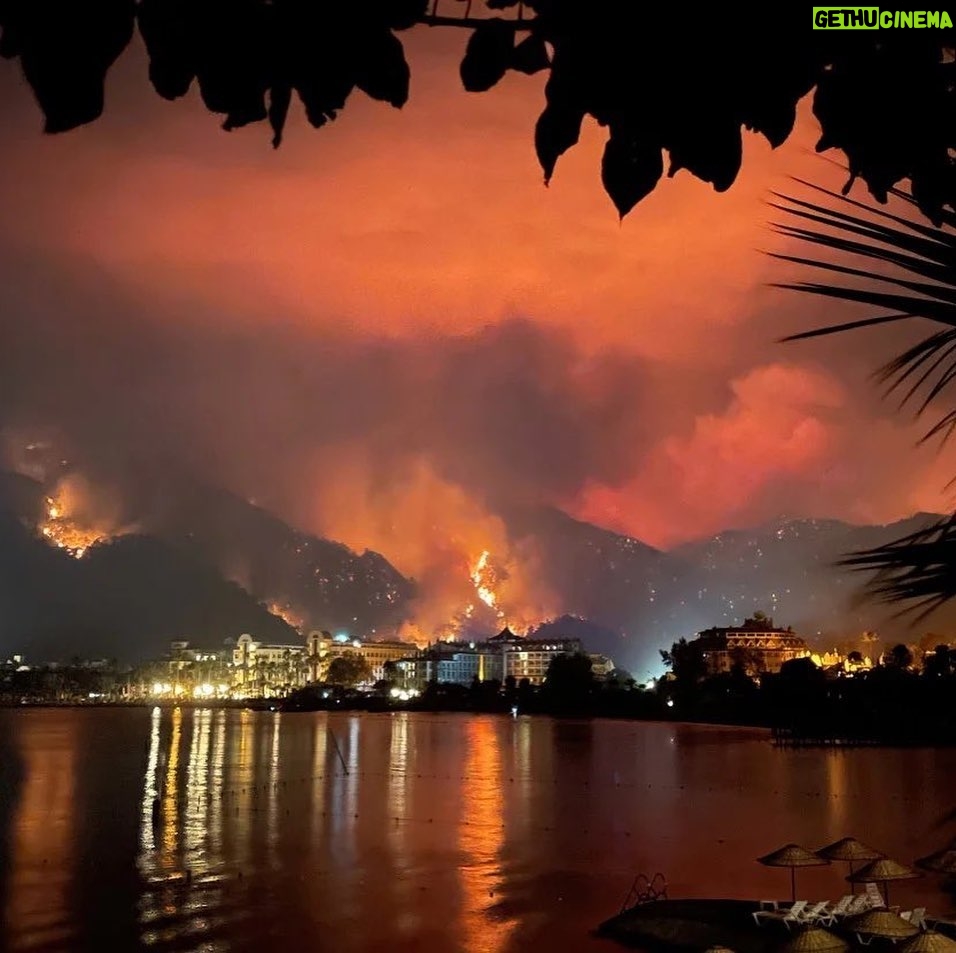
pixel 506 655
pixel 267 669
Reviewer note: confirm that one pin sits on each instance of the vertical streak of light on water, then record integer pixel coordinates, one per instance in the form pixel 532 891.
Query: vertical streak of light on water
pixel 194 820
pixel 481 836
pixel 217 785
pixel 170 795
pixel 243 779
pixel 397 788
pixel 272 833
pixel 147 837
pixel 320 750
pixel 396 826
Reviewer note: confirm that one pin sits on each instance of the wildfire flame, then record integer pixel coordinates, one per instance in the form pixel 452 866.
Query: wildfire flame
pixel 286 613
pixel 66 533
pixel 483 579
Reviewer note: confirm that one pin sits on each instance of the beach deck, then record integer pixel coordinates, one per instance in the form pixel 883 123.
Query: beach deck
pixel 697 924
pixel 691 925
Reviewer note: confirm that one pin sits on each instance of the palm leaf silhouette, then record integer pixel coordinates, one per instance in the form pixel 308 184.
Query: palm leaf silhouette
pixel 906 271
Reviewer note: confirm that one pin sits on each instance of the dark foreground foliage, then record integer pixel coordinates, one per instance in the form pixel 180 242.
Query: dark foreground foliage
pixel 659 79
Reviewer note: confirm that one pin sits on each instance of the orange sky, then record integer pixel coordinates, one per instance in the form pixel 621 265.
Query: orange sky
pixel 409 234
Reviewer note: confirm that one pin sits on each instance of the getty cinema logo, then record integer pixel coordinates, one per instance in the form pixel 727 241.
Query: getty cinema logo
pixel 873 18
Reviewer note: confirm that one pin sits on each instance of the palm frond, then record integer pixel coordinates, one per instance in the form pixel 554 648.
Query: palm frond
pixel 907 271
pixel 918 569
pixel 901 267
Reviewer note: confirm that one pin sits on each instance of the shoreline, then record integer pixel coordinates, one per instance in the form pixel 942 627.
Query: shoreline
pixel 381 706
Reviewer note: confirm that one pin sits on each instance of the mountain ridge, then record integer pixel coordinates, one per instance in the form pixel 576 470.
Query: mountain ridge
pixel 204 563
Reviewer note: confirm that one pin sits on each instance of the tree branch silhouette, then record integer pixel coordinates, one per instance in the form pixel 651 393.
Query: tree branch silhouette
pixel 658 80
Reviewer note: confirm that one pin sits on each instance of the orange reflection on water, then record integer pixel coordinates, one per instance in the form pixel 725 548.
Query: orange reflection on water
pixel 480 839
pixel 838 802
pixel 170 795
pixel 44 835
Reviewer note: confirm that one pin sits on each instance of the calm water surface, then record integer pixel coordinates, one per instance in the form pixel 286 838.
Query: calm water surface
pixel 414 831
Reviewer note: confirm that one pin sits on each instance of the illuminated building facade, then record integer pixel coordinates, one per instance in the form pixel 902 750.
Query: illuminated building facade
pixel 322 648
pixel 503 656
pixel 756 646
pixel 510 655
pixel 267 670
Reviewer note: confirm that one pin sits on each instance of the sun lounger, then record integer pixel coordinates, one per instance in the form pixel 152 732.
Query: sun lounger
pixel 791 915
pixel 860 904
pixel 875 897
pixel 840 909
pixel 814 914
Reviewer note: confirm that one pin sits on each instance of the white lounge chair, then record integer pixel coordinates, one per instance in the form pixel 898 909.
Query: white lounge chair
pixel 791 915
pixel 860 904
pixel 815 914
pixel 875 897
pixel 840 909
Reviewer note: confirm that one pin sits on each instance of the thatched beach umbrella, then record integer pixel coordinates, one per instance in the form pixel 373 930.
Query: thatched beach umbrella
pixel 814 940
pixel 942 862
pixel 881 872
pixel 792 856
pixel 883 923
pixel 849 850
pixel 724 949
pixel 929 942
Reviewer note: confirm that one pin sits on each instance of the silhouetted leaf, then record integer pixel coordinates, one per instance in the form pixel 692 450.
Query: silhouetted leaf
pixel 887 100
pixel 232 63
pixel 381 70
pixel 558 127
pixel 66 49
pixel 488 55
pixel 710 149
pixel 168 29
pixel 530 55
pixel 323 89
pixel 630 169
pixel 280 96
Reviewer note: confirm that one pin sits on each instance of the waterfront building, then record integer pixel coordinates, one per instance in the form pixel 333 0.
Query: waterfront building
pixel 449 663
pixel 516 656
pixel 601 666
pixel 496 659
pixel 377 654
pixel 255 669
pixel 267 670
pixel 757 645
pixel 322 648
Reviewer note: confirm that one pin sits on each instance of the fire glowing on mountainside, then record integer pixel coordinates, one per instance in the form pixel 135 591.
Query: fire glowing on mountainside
pixel 66 532
pixel 288 615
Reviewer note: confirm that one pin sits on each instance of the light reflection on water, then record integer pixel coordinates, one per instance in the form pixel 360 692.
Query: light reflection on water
pixel 231 831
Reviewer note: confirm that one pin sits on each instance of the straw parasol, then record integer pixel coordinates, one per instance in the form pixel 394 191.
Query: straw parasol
pixel 850 850
pixel 792 856
pixel 815 940
pixel 929 942
pixel 882 871
pixel 942 862
pixel 724 949
pixel 883 923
